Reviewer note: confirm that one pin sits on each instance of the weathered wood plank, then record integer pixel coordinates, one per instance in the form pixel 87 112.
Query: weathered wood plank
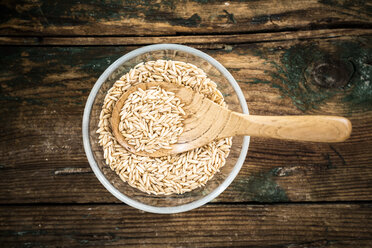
pixel 43 91
pixel 210 226
pixel 215 41
pixel 132 18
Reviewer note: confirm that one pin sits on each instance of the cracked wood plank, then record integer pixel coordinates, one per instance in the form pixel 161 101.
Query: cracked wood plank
pixel 207 41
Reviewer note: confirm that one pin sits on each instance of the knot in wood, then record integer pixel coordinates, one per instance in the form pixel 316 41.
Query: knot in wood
pixel 330 74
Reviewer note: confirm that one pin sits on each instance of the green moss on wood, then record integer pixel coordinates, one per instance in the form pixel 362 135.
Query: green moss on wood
pixel 261 187
pixel 192 21
pixel 289 76
pixel 30 67
pixel 230 16
pixel 262 19
pixel 349 68
pixel 361 6
pixel 360 83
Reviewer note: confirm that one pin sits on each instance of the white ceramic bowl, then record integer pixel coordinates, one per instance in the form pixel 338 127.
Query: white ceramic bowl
pixel 175 203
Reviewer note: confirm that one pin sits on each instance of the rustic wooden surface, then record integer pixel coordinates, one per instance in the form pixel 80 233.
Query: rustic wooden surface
pixel 289 57
pixel 150 17
pixel 310 225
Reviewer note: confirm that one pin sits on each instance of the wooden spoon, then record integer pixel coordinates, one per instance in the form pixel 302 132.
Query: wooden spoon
pixel 206 121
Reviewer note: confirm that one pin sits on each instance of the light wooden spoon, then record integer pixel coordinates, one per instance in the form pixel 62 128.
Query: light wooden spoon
pixel 206 121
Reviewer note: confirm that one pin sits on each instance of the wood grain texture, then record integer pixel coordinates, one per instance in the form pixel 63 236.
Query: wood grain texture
pixel 326 225
pixel 44 89
pixel 312 128
pixel 290 57
pixel 206 41
pixel 150 17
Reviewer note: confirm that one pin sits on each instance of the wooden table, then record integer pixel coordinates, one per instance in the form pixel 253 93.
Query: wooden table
pixel 289 57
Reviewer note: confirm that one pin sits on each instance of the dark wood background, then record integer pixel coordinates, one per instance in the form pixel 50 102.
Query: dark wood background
pixel 289 57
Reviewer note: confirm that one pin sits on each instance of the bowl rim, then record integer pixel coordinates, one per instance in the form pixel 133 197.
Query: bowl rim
pixel 89 153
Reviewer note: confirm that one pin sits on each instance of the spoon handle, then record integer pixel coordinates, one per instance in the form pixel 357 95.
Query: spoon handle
pixel 315 128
